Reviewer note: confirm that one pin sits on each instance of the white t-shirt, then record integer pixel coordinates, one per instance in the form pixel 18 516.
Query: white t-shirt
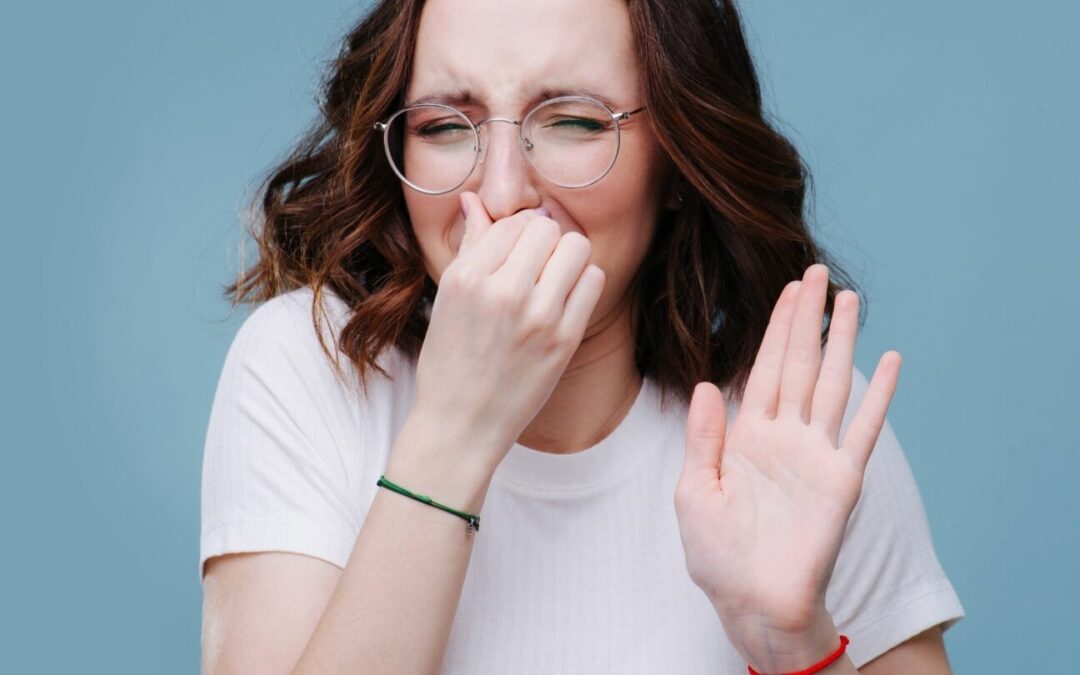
pixel 579 567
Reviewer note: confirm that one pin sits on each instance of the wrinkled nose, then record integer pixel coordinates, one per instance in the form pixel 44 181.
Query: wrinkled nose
pixel 508 182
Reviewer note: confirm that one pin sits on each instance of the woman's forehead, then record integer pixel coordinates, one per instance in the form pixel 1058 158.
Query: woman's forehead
pixel 504 52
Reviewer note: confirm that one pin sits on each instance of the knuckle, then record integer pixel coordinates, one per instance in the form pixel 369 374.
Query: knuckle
pixel 560 337
pixel 540 318
pixel 507 297
pixel 769 360
pixel 463 279
pixel 831 376
pixel 564 337
pixel 802 354
pixel 511 224
pixel 535 323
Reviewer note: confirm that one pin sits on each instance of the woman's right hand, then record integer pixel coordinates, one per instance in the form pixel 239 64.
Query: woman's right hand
pixel 510 311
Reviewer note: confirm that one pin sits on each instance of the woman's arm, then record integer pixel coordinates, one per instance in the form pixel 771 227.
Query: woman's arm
pixel 260 609
pixel 392 607
pixel 923 653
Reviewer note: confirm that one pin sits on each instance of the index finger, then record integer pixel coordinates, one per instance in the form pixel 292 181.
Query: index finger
pixel 477 220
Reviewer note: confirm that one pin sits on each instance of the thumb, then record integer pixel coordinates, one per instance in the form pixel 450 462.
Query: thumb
pixel 706 426
pixel 477 221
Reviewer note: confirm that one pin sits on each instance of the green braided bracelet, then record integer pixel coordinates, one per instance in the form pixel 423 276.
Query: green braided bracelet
pixel 473 521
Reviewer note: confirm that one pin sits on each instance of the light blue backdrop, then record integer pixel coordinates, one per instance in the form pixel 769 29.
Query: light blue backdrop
pixel 944 144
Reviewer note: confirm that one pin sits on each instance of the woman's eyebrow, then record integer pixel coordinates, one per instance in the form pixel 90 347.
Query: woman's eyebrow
pixel 461 97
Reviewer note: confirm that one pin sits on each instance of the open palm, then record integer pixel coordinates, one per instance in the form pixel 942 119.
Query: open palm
pixel 762 509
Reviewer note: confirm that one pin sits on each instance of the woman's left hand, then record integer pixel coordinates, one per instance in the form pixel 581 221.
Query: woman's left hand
pixel 762 510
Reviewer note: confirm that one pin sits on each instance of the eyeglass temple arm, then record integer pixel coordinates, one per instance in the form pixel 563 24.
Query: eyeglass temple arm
pixel 625 115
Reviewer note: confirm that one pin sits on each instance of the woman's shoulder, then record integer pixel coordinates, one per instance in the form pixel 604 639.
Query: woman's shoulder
pixel 287 320
pixel 293 451
pixel 281 333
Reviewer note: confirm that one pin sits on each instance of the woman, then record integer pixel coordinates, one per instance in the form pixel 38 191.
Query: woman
pixel 554 241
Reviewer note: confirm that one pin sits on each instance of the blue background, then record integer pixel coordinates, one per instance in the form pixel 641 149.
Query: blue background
pixel 943 144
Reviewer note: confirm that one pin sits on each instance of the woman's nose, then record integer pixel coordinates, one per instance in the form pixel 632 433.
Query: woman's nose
pixel 507 182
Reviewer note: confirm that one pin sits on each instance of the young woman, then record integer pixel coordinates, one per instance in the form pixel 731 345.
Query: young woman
pixel 543 266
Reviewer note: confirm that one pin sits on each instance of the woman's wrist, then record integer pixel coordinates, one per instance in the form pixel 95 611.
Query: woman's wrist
pixel 769 650
pixel 449 469
pixel 481 445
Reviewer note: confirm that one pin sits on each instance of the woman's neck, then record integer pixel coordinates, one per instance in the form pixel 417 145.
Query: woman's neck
pixel 597 389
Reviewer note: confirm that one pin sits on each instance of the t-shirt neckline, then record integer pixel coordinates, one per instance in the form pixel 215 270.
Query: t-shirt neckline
pixel 610 458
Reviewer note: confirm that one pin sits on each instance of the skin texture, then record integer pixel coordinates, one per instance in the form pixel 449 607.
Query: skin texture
pixel 260 609
pixel 923 653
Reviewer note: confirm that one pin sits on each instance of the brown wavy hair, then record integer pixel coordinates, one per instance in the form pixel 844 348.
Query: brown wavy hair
pixel 332 214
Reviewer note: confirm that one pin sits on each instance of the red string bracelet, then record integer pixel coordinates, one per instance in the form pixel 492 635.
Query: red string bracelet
pixel 817 667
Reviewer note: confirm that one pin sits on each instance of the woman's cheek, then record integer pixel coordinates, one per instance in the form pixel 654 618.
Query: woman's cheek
pixel 438 246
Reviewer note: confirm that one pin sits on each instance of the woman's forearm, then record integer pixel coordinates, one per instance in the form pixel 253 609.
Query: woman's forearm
pixel 395 603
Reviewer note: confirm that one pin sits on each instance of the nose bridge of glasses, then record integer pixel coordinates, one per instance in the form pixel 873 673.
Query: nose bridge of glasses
pixel 484 142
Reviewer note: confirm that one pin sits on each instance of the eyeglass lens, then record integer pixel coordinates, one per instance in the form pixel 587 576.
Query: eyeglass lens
pixel 571 143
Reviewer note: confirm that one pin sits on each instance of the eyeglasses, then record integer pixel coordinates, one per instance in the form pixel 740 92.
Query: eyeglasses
pixel 571 141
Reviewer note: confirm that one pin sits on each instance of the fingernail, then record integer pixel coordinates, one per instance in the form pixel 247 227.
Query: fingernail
pixel 464 207
pixel 544 212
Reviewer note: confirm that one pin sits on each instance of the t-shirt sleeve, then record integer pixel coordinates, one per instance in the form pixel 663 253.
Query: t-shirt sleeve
pixel 888 584
pixel 273 475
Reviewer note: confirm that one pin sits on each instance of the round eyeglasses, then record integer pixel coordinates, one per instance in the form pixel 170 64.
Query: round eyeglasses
pixel 571 141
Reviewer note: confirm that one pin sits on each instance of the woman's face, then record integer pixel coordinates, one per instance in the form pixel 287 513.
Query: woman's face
pixel 505 52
